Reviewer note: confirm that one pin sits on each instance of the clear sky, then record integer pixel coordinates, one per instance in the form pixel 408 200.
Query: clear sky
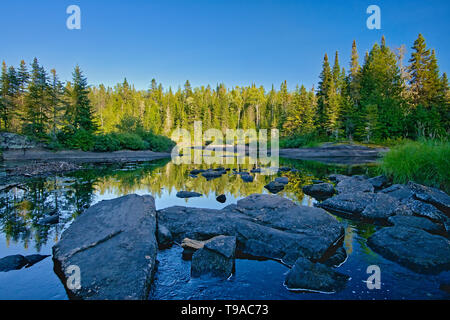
pixel 211 41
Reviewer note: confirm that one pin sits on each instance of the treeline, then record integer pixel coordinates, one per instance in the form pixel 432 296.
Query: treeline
pixel 383 98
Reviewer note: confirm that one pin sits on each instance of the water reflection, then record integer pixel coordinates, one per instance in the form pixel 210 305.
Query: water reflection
pixel 23 207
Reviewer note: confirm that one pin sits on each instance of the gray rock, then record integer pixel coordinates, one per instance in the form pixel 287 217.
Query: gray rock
pixel 399 191
pixel 362 205
pixel 222 198
pixel 247 178
pixel 269 220
pixel 354 184
pixel 210 174
pixel 283 180
pixel 215 258
pixel 274 187
pixel 436 197
pixel 337 258
pixel 12 141
pixel 379 182
pixel 337 177
pixel 306 275
pixel 164 237
pixel 197 171
pixel 114 245
pixel 413 248
pixel 320 191
pixel 416 222
pixel 188 194
pixel 13 262
pixel 426 210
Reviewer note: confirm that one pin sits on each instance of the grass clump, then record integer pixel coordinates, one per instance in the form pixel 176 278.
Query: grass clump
pixel 424 161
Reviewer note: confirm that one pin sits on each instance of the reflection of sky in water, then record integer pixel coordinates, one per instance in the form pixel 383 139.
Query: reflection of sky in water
pixel 253 279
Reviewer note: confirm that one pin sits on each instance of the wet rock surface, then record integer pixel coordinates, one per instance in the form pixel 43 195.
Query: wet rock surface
pixel 188 194
pixel 306 275
pixel 18 261
pixel 274 186
pixel 264 225
pixel 320 191
pixel 436 197
pixel 114 245
pixel 354 184
pixel 417 222
pixel 216 257
pixel 413 248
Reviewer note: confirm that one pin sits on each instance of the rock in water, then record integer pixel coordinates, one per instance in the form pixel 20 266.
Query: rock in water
pixel 114 245
pixel 320 191
pixel 247 178
pixel 436 197
pixel 417 222
pixel 274 187
pixel 354 184
pixel 283 180
pixel 399 192
pixel 164 237
pixel 413 248
pixel 35 258
pixel 215 258
pixel 306 275
pixel 222 198
pixel 210 174
pixel 14 262
pixel 188 194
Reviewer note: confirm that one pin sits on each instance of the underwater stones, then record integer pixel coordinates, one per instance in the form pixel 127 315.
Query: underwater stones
pixel 114 245
pixel 320 191
pixel 188 194
pixel 413 248
pixel 216 258
pixel 310 276
pixel 221 198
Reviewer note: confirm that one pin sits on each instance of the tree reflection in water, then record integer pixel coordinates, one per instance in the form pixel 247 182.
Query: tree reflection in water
pixel 22 208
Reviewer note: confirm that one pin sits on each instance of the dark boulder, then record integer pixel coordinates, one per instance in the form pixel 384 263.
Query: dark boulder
pixel 256 170
pixel 398 191
pixel 247 178
pixel 284 169
pixel 309 276
pixel 413 248
pixel 210 174
pixel 188 194
pixel 337 258
pixel 283 180
pixel 354 184
pixel 416 222
pixel 14 262
pixel 114 245
pixel 197 171
pixel 274 187
pixel 337 177
pixel 426 210
pixel 320 191
pixel 49 220
pixel 35 258
pixel 216 258
pixel 379 182
pixel 436 197
pixel 222 198
pixel 164 237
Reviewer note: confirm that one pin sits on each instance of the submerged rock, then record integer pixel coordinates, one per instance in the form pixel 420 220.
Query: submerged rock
pixel 413 248
pixel 211 174
pixel 337 258
pixel 215 258
pixel 114 245
pixel 274 187
pixel 222 198
pixel 188 194
pixel 13 262
pixel 306 275
pixel 320 191
pixel 247 178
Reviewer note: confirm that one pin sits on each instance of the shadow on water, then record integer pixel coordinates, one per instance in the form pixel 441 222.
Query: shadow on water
pixel 24 207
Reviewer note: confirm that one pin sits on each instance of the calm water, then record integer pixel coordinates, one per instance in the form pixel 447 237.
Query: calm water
pixel 70 195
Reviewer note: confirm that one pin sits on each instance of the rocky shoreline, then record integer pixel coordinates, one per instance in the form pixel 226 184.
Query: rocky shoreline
pixel 110 239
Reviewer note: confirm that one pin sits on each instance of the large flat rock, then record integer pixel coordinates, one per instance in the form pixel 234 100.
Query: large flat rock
pixel 413 248
pixel 114 245
pixel 264 226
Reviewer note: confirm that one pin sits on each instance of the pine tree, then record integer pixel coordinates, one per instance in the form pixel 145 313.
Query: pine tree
pixel 419 62
pixel 4 97
pixel 82 116
pixel 55 93
pixel 326 80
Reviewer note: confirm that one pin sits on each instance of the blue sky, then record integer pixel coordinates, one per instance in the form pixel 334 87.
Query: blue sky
pixel 209 42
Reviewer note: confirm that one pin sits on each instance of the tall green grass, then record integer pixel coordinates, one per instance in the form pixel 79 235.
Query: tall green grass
pixel 424 161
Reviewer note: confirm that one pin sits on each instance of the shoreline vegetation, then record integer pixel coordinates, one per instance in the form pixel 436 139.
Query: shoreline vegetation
pixel 383 102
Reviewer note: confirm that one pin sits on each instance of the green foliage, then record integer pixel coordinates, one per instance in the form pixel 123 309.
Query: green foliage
pixel 157 142
pixel 424 161
pixel 131 141
pixel 106 143
pixel 80 139
pixel 305 140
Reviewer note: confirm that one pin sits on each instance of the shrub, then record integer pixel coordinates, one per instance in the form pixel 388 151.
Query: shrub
pixel 77 139
pixel 106 142
pixel 306 140
pixel 157 142
pixel 425 161
pixel 131 141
